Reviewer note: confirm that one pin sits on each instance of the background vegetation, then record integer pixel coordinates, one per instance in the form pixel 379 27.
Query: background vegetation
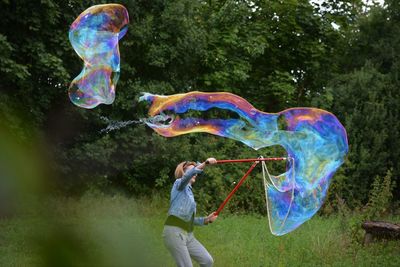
pixel 342 56
pixel 99 230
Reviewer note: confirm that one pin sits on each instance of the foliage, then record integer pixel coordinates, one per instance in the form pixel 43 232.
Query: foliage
pixel 377 208
pixel 365 97
pixel 276 54
pixel 380 196
pixel 116 230
pixel 366 117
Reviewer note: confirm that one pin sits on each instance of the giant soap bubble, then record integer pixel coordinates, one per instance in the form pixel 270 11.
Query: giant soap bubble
pixel 313 138
pixel 94 35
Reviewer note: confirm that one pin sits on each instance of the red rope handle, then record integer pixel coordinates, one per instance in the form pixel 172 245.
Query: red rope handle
pixel 248 160
pixel 236 187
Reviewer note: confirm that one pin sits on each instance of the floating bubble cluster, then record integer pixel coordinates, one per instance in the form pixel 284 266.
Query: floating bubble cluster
pixel 116 125
pixel 94 35
pixel 314 140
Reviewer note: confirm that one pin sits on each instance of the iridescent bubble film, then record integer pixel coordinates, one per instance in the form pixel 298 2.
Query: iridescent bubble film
pixel 314 139
pixel 94 35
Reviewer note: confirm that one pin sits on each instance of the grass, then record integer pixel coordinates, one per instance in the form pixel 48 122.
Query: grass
pixel 118 231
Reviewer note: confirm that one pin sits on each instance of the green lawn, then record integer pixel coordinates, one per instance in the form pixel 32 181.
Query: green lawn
pixel 118 231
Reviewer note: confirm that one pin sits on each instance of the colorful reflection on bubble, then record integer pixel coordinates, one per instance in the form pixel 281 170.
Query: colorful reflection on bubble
pixel 94 35
pixel 314 139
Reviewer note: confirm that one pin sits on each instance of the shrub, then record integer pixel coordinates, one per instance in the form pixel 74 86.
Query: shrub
pixel 380 196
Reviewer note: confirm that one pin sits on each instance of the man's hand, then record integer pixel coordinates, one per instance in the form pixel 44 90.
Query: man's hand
pixel 211 161
pixel 210 218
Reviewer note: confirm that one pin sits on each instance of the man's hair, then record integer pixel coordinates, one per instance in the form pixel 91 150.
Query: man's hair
pixel 181 168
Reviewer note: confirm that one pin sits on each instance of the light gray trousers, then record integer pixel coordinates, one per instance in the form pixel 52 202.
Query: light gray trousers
pixel 184 245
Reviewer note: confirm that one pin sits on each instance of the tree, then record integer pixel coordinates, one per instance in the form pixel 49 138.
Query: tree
pixel 365 97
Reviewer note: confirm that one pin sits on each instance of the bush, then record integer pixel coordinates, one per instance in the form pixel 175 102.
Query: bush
pixel 380 196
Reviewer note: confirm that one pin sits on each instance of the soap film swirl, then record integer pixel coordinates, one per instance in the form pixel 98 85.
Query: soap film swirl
pixel 314 139
pixel 94 35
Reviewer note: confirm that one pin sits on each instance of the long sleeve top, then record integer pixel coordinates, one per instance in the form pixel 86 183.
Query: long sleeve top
pixel 182 203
